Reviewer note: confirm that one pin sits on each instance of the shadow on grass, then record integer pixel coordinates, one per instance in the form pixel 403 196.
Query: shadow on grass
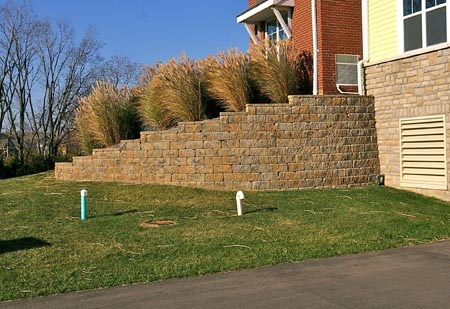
pixel 117 214
pixel 261 209
pixel 24 243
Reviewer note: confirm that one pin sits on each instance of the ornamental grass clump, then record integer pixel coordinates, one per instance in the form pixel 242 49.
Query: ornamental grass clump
pixel 151 109
pixel 228 79
pixel 276 67
pixel 107 115
pixel 177 92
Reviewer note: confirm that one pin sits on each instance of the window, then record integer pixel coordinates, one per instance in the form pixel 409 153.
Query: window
pixel 423 152
pixel 347 70
pixel 274 31
pixel 424 23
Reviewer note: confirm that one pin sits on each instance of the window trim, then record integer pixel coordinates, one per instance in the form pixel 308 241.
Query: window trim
pixel 278 26
pixel 422 13
pixel 355 64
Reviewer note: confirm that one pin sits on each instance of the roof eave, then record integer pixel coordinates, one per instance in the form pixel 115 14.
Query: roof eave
pixel 261 11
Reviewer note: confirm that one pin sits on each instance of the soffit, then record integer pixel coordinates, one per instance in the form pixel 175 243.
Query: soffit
pixel 263 11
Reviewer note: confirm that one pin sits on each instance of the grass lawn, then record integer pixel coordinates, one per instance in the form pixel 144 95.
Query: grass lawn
pixel 46 249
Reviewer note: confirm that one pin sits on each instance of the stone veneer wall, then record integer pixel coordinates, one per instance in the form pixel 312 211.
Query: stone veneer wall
pixel 326 141
pixel 409 87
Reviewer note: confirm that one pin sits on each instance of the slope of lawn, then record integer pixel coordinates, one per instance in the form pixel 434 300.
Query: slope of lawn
pixel 46 249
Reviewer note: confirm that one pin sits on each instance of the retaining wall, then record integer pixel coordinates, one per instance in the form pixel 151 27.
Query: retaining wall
pixel 314 141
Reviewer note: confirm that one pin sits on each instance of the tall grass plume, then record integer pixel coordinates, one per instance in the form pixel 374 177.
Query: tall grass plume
pixel 276 69
pixel 228 79
pixel 176 92
pixel 107 115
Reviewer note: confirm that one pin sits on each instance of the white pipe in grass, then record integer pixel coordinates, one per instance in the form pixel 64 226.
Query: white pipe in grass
pixel 239 197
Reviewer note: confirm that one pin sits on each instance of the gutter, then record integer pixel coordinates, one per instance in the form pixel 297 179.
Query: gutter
pixel 366 55
pixel 315 52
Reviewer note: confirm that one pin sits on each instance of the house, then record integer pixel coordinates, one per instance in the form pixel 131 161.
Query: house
pixel 396 51
pixel 7 146
pixel 407 69
pixel 331 31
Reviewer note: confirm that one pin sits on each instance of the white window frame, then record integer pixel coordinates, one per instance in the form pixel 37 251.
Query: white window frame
pixel 423 11
pixel 350 64
pixel 278 26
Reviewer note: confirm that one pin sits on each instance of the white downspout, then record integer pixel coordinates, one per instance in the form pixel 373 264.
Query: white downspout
pixel 365 33
pixel 315 53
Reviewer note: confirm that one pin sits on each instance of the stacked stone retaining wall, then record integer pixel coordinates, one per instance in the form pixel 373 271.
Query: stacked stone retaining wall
pixel 325 141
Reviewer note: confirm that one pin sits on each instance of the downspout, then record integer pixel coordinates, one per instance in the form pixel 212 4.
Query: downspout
pixel 365 33
pixel 315 53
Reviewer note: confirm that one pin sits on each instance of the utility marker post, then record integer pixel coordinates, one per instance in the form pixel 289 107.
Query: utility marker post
pixel 239 197
pixel 84 209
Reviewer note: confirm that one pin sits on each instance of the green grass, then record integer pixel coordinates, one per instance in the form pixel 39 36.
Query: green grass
pixel 46 249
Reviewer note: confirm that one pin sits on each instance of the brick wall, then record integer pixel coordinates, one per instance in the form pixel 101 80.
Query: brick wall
pixel 302 26
pixel 339 26
pixel 339 30
pixel 409 87
pixel 311 142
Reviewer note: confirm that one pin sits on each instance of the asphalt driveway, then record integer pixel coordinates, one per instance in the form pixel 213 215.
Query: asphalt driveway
pixel 412 277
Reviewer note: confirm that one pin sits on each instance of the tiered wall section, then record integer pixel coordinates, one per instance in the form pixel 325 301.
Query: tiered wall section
pixel 325 141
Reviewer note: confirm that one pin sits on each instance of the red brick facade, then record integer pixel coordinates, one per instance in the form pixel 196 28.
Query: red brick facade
pixel 339 31
pixel 339 26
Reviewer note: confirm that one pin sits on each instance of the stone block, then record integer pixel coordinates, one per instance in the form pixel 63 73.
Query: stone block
pixel 197 178
pixel 170 153
pixel 212 144
pixel 203 152
pixel 178 161
pixel 177 145
pixel 262 185
pixel 241 168
pixel 204 169
pixel 163 178
pixel 161 145
pixel 186 153
pixel 278 168
pixel 223 168
pixel 215 177
pixel 246 160
pixel 186 169
pixel 194 145
pixel 196 161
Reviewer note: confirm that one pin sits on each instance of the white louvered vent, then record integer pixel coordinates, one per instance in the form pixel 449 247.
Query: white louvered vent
pixel 423 152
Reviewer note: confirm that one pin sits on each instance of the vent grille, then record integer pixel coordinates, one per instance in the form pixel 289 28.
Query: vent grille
pixel 423 152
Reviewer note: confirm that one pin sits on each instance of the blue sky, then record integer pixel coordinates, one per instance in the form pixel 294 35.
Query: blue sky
pixel 148 31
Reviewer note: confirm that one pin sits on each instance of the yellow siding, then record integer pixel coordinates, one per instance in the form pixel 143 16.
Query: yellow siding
pixel 383 29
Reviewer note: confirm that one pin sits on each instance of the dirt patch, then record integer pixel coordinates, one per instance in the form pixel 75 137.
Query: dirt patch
pixel 157 223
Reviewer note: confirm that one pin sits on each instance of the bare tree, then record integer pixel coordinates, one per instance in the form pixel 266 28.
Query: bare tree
pixel 4 55
pixel 5 52
pixel 18 30
pixel 120 71
pixel 67 74
pixel 44 71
